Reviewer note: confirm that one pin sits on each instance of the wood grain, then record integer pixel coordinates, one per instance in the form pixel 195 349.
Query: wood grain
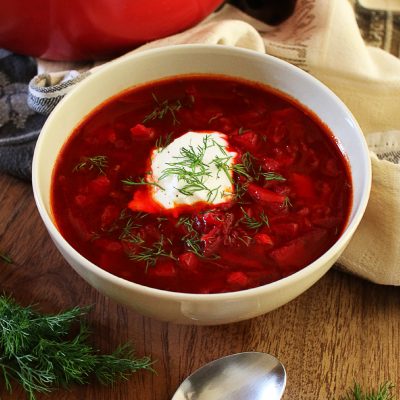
pixel 341 330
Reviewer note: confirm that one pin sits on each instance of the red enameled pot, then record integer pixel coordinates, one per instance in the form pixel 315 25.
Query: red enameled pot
pixel 93 29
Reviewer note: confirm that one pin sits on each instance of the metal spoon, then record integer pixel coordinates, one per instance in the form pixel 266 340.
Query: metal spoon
pixel 242 376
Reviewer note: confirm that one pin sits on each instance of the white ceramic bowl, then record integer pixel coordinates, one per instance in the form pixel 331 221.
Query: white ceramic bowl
pixel 201 309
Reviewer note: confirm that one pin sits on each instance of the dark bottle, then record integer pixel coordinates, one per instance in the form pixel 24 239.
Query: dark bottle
pixel 271 12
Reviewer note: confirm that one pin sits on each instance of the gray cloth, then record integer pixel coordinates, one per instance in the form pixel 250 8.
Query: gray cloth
pixel 19 124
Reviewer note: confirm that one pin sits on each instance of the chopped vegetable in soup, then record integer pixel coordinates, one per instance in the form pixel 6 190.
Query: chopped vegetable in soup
pixel 201 184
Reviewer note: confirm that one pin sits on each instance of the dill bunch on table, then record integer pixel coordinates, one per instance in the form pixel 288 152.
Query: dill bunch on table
pixel 41 352
pixel 384 392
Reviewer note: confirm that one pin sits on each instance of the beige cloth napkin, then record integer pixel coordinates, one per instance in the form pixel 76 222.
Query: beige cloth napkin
pixel 389 5
pixel 323 38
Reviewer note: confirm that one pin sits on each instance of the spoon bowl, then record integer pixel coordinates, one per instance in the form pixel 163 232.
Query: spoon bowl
pixel 241 376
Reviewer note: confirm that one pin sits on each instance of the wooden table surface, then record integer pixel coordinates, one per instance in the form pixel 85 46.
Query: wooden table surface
pixel 342 330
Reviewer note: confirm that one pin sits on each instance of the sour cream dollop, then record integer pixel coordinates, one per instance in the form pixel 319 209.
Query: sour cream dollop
pixel 195 167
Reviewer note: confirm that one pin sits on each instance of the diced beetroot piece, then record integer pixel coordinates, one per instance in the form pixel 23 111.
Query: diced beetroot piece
pixel 249 140
pixel 287 230
pixel 330 168
pixel 303 186
pixel 300 251
pixel 151 232
pixel 286 159
pixel 129 247
pixel 270 164
pixel 237 237
pixel 307 223
pixel 213 218
pixel 263 238
pixel 238 280
pixel 264 196
pixel 192 92
pixel 102 135
pixel 251 115
pixel 304 211
pixel 111 136
pixel 189 261
pixel 109 215
pixel 100 186
pixel 235 257
pixel 142 132
pixel 288 114
pixel 278 209
pixel 82 200
pixel 163 269
pixel 222 124
pixel 326 222
pixel 293 121
pixel 311 158
pixel 82 231
pixel 227 223
pixel 108 245
pixel 241 179
pixel 321 210
pixel 285 190
pixel 116 195
pixel 211 241
pixel 120 144
pixel 325 190
pixel 268 275
pixel 277 130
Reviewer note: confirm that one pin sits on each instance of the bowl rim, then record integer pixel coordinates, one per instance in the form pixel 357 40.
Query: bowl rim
pixel 198 297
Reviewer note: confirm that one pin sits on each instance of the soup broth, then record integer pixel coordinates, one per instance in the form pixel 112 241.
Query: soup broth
pixel 201 184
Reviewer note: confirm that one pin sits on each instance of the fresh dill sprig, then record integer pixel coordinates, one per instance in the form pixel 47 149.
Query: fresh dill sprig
pixel 384 392
pixel 127 235
pixel 40 353
pixel 222 164
pixel 150 255
pixel 240 169
pixel 286 202
pixel 253 223
pixel 248 169
pixel 90 163
pixel 214 117
pixel 141 181
pixel 163 142
pixel 246 239
pixel 272 176
pixel 5 258
pixel 192 238
pixel 162 109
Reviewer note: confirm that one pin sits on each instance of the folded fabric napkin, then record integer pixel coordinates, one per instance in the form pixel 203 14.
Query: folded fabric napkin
pixel 324 39
pixel 19 125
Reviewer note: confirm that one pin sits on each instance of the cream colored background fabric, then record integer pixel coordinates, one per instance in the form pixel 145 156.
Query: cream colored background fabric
pixel 391 5
pixel 323 38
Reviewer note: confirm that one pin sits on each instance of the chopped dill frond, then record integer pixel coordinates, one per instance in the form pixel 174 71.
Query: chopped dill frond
pixel 150 254
pixel 141 181
pixel 253 223
pixel 5 258
pixel 162 109
pixel 90 163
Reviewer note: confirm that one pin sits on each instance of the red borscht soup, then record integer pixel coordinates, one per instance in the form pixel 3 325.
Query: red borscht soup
pixel 201 184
